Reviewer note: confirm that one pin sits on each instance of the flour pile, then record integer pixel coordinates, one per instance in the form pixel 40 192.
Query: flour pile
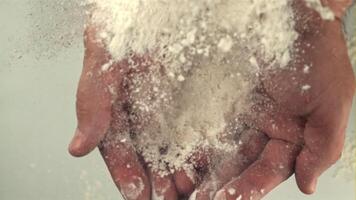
pixel 201 68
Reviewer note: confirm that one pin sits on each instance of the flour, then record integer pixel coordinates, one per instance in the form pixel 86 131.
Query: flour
pixel 201 68
pixel 325 12
pixel 134 189
pixel 220 195
pixel 142 26
pixel 231 191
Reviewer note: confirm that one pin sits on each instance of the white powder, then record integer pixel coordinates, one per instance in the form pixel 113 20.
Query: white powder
pixel 133 189
pixel 231 191
pixel 306 69
pixel 202 67
pixel 160 196
pixel 155 196
pixel 306 87
pixel 325 12
pixel 347 166
pixel 225 44
pixel 142 26
pixel 193 196
pixel 220 195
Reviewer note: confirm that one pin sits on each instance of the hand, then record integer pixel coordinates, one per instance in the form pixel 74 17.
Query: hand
pixel 103 122
pixel 304 111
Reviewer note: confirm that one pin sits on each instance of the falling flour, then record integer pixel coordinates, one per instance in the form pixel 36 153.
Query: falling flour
pixel 207 76
pixel 325 12
pixel 204 57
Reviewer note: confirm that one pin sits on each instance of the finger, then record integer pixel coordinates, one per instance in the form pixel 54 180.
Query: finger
pixel 94 96
pixel 273 167
pixel 201 160
pixel 252 143
pixel 185 180
pixel 266 117
pixel 163 187
pixel 324 140
pixel 189 176
pixel 125 167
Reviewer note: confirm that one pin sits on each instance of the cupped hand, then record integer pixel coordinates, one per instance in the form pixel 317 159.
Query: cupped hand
pixel 303 109
pixel 103 121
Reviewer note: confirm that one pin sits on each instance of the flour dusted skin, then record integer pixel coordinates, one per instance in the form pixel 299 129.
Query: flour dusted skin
pixel 205 57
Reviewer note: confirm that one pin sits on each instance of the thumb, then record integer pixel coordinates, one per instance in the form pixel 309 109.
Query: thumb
pixel 324 139
pixel 94 97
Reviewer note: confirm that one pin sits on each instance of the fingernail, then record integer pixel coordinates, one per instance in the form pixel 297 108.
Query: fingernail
pixel 313 186
pixel 220 195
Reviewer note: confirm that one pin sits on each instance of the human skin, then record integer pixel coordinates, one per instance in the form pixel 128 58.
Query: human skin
pixel 101 116
pixel 308 127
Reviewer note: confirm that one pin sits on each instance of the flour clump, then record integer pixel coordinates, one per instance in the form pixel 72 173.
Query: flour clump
pixel 199 63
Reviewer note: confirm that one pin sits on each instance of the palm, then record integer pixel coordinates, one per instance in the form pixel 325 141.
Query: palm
pixel 303 110
pixel 300 112
pixel 102 111
pixel 318 93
